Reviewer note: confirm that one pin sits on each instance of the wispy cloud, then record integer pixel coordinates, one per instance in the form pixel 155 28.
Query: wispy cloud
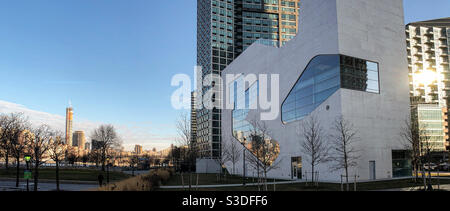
pixel 131 134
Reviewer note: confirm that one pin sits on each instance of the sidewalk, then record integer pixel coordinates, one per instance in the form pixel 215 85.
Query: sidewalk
pixel 10 185
pixel 229 185
pixel 300 181
pixel 435 187
pixel 50 181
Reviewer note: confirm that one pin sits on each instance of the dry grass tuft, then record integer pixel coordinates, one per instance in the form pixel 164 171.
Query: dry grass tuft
pixel 147 182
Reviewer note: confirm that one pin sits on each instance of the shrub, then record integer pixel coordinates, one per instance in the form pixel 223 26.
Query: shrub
pixel 142 182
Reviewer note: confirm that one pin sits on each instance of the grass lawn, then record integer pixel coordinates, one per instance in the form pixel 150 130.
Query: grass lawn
pixel 207 179
pixel 67 174
pixel 380 185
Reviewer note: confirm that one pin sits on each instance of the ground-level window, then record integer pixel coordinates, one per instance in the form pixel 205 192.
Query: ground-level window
pixel 401 163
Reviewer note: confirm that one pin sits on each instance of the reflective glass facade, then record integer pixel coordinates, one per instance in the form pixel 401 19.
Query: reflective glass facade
pixel 324 75
pixel 225 28
pixel 401 163
pixel 430 117
pixel 242 129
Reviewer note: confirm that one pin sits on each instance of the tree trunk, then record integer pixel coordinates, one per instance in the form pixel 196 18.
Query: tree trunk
pixel 424 179
pixel 265 179
pixel 7 159
pixel 416 172
pixel 312 173
pixel 57 175
pixel 17 170
pixel 259 178
pixel 233 166
pixel 103 165
pixel 346 178
pixel 36 175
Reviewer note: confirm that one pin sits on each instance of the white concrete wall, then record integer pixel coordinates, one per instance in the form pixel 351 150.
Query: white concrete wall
pixel 374 30
pixel 337 27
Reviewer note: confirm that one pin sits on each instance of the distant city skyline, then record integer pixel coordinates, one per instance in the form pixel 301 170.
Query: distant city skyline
pixel 113 59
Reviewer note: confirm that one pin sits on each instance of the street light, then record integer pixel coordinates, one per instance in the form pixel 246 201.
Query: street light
pixel 27 173
pixel 107 171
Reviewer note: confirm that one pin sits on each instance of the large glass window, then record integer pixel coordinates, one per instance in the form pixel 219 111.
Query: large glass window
pixel 243 130
pixel 319 81
pixel 358 74
pixel 323 76
pixel 401 163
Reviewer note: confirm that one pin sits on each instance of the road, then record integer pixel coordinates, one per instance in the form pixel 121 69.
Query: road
pixel 10 185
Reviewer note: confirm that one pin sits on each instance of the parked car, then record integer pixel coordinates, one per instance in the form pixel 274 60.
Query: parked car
pixel 432 166
pixel 444 167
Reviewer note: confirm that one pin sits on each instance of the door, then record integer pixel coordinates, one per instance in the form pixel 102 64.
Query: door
pixel 296 168
pixel 372 169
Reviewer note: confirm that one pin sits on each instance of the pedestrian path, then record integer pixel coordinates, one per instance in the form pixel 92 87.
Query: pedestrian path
pixel 285 182
pixel 230 185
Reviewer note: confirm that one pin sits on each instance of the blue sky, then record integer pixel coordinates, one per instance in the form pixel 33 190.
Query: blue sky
pixel 113 59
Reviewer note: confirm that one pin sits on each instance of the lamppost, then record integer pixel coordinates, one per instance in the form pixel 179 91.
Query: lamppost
pixel 243 165
pixel 107 171
pixel 27 173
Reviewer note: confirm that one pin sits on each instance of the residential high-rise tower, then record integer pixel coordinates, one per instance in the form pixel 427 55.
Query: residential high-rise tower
pixel 79 140
pixel 225 28
pixel 69 125
pixel 429 69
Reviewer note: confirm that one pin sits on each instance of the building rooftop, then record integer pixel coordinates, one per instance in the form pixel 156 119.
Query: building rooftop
pixel 442 22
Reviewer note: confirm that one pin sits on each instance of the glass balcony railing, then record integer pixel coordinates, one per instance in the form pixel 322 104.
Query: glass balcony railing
pixel 266 42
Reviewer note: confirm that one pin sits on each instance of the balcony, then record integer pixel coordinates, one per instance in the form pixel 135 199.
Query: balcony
pixel 428 40
pixel 431 59
pixel 429 32
pixel 446 77
pixel 429 50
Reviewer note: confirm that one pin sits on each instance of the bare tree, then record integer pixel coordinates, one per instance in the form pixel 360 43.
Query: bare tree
pixel 39 146
pixel 225 155
pixel 313 144
pixel 107 139
pixel 18 136
pixel 57 150
pixel 427 146
pixel 265 151
pixel 95 156
pixel 234 153
pixel 134 161
pixel 183 126
pixel 411 139
pixel 343 142
pixel 5 126
pixel 416 138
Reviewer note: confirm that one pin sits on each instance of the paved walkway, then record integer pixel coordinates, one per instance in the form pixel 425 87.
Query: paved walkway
pixel 299 181
pixel 435 187
pixel 229 185
pixel 10 185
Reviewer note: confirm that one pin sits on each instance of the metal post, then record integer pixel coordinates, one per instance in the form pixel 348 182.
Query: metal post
pixel 107 173
pixel 243 178
pixel 28 181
